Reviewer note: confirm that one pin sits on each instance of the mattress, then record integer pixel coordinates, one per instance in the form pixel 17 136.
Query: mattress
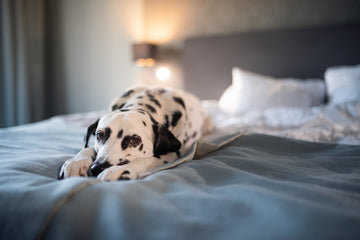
pixel 258 176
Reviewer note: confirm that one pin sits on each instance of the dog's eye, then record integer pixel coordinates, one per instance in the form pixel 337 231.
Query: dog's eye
pixel 130 141
pixel 103 135
pixel 100 136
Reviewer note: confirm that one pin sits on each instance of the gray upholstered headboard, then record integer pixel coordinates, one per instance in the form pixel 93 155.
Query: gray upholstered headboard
pixel 302 53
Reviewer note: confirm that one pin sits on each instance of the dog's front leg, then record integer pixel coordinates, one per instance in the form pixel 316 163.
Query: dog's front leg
pixel 78 165
pixel 132 170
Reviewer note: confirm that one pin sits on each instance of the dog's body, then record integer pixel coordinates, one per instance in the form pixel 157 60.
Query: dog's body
pixel 147 127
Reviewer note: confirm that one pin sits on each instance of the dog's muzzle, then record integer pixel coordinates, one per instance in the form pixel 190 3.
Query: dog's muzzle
pixel 97 167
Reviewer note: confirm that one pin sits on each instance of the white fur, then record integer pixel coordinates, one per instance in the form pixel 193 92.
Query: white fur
pixel 193 123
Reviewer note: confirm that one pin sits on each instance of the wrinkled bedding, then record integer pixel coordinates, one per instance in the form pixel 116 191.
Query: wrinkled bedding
pixel 242 184
pixel 337 123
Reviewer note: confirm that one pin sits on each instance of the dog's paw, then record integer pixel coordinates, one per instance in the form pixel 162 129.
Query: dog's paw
pixel 117 173
pixel 77 166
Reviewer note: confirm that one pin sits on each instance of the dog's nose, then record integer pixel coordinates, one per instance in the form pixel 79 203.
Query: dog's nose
pixel 97 167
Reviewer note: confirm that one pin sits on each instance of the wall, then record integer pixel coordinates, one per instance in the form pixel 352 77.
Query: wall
pixel 89 41
pixel 169 23
pixel 89 51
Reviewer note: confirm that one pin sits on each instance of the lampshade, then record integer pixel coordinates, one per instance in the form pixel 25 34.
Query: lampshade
pixel 144 54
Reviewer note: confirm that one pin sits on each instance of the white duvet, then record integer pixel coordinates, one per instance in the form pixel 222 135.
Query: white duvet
pixel 338 123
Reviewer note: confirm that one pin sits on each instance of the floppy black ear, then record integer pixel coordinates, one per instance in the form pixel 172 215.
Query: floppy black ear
pixel 91 130
pixel 165 141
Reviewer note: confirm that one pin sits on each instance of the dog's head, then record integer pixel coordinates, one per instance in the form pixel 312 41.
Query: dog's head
pixel 123 136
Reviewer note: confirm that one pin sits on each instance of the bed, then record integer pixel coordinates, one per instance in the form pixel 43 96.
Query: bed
pixel 269 171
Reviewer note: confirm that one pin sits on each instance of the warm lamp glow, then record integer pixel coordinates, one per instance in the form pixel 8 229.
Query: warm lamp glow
pixel 148 62
pixel 162 74
pixel 160 33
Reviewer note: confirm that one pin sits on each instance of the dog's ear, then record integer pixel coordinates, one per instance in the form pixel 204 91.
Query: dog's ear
pixel 91 130
pixel 165 141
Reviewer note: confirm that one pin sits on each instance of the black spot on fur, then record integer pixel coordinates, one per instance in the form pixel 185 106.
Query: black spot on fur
pixel 123 162
pixel 124 110
pixel 141 111
pixel 139 97
pixel 144 123
pixel 141 147
pixel 179 101
pixel 149 94
pixel 125 142
pixel 164 141
pixel 161 91
pixel 186 140
pixel 175 118
pixel 114 107
pixel 194 134
pixel 165 162
pixel 128 93
pixel 151 108
pixel 120 133
pixel 107 133
pixel 157 103
pixel 167 122
pixel 153 120
pixel 122 177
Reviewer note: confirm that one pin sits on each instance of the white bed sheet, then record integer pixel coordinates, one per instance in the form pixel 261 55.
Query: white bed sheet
pixel 339 123
pixel 255 182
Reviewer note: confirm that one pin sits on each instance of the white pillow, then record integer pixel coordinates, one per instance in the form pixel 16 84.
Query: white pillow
pixel 250 91
pixel 343 83
pixel 315 88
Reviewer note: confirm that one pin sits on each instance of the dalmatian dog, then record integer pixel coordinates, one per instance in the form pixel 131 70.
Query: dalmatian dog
pixel 145 128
